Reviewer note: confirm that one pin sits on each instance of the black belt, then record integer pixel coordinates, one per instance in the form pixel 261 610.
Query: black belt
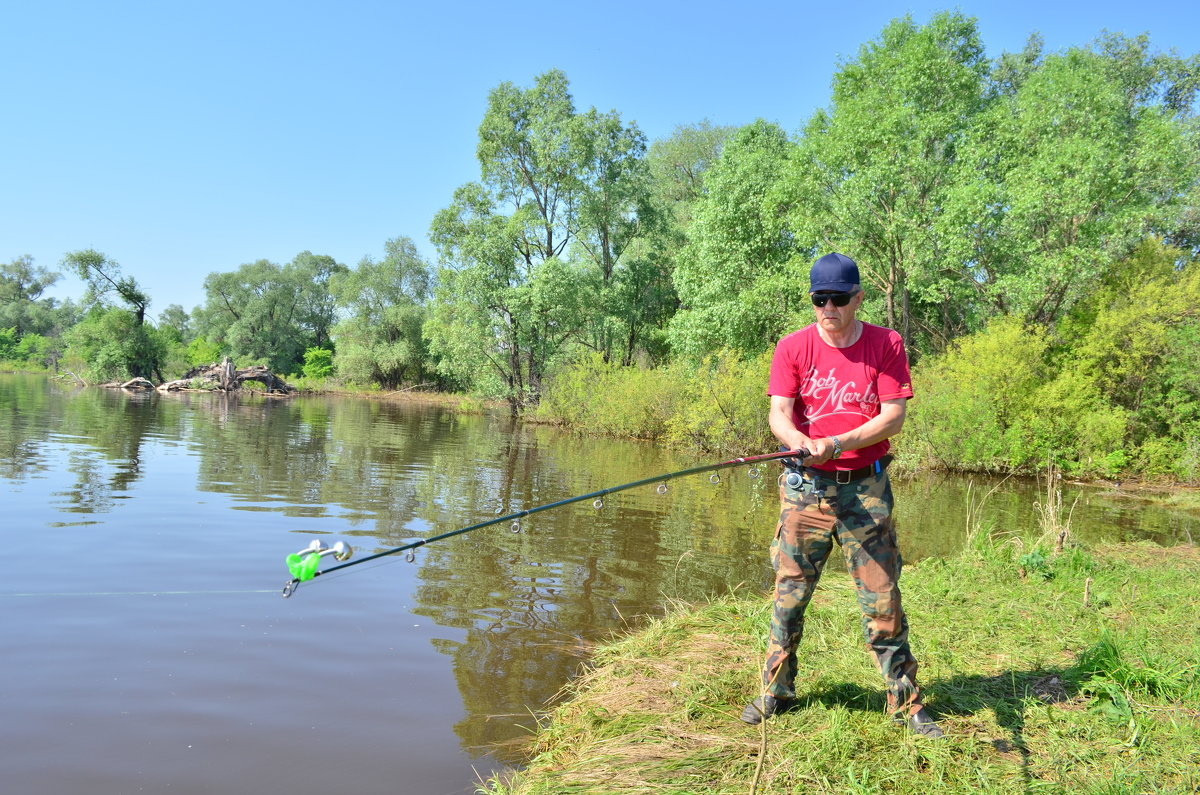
pixel 844 476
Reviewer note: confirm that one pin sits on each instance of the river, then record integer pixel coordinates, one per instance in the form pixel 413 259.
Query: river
pixel 146 647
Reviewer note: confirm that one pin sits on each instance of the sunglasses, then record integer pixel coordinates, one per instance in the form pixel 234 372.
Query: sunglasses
pixel 839 299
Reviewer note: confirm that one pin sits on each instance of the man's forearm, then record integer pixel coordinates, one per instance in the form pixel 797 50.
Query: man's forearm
pixel 885 425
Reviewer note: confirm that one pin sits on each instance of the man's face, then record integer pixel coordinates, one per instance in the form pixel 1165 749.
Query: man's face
pixel 834 318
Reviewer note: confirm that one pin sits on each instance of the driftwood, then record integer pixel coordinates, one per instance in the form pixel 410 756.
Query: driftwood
pixel 132 383
pixel 225 377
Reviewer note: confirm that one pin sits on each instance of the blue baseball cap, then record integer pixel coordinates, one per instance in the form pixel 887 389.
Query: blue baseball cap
pixel 834 273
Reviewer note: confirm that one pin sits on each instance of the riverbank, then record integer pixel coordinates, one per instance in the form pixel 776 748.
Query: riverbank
pixel 1070 672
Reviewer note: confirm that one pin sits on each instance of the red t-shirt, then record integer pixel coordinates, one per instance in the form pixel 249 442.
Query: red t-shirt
pixel 838 389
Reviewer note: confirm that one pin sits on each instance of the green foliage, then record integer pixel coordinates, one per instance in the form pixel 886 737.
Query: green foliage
pixel 103 278
pixel 1036 563
pixel 200 352
pixel 678 165
pixel 270 313
pixel 1063 174
pixel 380 340
pixel 733 286
pixel 877 191
pixel 972 402
pixel 716 405
pixel 8 343
pixel 1117 391
pixel 725 408
pixel 532 254
pixel 21 306
pixel 111 344
pixel 39 351
pixel 175 322
pixel 604 397
pixel 318 363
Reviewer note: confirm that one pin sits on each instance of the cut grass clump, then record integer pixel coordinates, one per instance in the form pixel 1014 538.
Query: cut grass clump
pixel 1037 691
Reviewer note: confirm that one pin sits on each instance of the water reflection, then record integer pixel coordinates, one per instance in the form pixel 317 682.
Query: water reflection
pixel 514 610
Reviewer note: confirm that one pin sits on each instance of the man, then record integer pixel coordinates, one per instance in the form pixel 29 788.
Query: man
pixel 838 391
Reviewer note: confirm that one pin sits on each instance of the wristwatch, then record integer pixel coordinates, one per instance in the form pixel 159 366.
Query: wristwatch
pixel 837 447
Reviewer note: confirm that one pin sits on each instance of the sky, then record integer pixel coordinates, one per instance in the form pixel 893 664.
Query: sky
pixel 186 138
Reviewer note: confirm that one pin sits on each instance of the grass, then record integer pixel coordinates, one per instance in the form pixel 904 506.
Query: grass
pixel 1037 691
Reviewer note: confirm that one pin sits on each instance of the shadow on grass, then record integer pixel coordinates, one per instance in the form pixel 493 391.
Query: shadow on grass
pixel 1008 695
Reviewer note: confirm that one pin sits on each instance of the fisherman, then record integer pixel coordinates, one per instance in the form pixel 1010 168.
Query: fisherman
pixel 838 390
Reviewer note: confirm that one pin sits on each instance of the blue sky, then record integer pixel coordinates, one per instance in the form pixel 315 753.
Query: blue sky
pixel 186 138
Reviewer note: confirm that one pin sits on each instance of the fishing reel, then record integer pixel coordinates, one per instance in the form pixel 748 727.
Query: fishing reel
pixel 340 551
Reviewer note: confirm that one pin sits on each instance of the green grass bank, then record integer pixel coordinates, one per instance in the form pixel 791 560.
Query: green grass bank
pixel 1072 672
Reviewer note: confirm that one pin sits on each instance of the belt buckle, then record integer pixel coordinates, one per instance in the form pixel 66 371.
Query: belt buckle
pixel 842 473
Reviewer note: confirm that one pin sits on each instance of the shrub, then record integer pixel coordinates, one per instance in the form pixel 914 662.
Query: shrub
pixel 318 363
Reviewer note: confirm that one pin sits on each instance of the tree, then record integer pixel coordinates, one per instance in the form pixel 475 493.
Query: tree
pixel 200 352
pixel 317 307
pixel 380 341
pixel 641 298
pixel 733 284
pixel 178 322
pixel 8 344
pixel 873 171
pixel 263 312
pixel 618 226
pixel 22 307
pixel 509 299
pixel 678 164
pixel 103 277
pixel 1066 173
pixel 114 344
pixel 318 363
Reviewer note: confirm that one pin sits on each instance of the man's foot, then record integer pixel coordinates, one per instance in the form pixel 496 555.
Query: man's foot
pixel 764 707
pixel 921 724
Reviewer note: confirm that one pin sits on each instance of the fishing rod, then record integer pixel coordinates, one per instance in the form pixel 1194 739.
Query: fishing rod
pixel 303 565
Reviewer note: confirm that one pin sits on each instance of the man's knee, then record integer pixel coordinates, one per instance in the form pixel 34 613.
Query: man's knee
pixel 885 627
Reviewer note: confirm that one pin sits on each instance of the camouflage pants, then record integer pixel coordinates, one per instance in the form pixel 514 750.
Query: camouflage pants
pixel 858 516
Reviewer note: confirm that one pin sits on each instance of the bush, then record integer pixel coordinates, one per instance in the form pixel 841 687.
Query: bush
pixel 971 403
pixel 599 397
pixel 201 352
pixel 719 405
pixel 318 363
pixel 725 405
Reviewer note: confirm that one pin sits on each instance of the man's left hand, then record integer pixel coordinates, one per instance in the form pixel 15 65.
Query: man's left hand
pixel 821 451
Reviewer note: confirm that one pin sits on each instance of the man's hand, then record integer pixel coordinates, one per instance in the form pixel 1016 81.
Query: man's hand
pixel 820 451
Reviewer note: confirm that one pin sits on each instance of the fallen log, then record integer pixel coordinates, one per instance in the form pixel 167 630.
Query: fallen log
pixel 132 383
pixel 224 377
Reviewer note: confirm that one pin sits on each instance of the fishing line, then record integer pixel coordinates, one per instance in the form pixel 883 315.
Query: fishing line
pixel 134 593
pixel 303 564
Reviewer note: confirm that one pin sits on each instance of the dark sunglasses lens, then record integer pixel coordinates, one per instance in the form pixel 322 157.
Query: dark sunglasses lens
pixel 839 299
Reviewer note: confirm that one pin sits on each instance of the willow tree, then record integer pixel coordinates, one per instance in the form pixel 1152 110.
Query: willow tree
pixel 734 287
pixel 264 312
pixel 104 280
pixel 1071 167
pixel 874 170
pixel 526 250
pixel 22 307
pixel 113 341
pixel 379 340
